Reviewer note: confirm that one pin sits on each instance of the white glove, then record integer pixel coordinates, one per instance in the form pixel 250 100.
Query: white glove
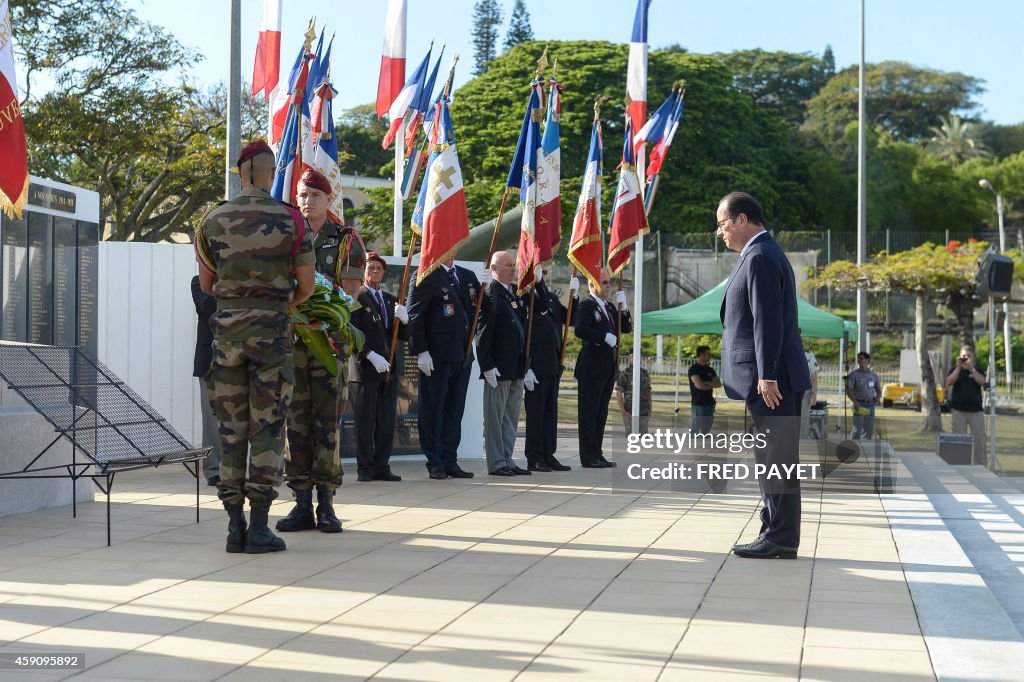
pixel 402 313
pixel 425 362
pixel 485 280
pixel 491 377
pixel 539 274
pixel 611 339
pixel 620 300
pixel 574 286
pixel 530 380
pixel 378 362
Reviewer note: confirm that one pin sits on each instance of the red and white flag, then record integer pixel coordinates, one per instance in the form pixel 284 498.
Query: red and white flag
pixel 629 220
pixel 13 150
pixel 586 247
pixel 636 71
pixel 392 63
pixel 266 72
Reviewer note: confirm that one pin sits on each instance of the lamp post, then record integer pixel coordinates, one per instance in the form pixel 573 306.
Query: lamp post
pixel 1006 304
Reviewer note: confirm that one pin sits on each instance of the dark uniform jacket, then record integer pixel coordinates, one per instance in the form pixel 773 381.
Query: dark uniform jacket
pixel 440 314
pixel 206 306
pixel 378 336
pixel 330 243
pixel 546 337
pixel 597 357
pixel 502 333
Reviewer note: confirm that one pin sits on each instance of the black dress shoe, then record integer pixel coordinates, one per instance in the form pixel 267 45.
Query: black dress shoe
pixel 610 465
pixel 387 477
pixel 458 472
pixel 741 545
pixel 558 466
pixel 765 549
pixel 596 464
pixel 538 467
pixel 365 478
pixel 438 474
pixel 519 471
pixel 503 471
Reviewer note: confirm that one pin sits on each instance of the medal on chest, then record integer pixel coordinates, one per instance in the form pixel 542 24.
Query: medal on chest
pixel 448 309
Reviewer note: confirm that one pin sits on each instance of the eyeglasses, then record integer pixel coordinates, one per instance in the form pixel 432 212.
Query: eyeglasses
pixel 721 223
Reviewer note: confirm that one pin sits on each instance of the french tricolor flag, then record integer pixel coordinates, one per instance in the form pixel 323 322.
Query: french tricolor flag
pixel 656 125
pixel 629 220
pixel 586 246
pixel 636 72
pixel 660 150
pixel 410 94
pixel 392 63
pixel 549 173
pixel 267 70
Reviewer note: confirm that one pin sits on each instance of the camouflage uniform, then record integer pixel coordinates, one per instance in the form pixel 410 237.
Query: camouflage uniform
pixel 314 417
pixel 250 243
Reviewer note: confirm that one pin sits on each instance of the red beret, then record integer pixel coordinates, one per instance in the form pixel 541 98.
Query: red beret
pixel 374 256
pixel 252 149
pixel 317 180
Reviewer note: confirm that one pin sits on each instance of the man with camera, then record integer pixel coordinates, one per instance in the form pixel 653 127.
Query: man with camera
pixel 966 381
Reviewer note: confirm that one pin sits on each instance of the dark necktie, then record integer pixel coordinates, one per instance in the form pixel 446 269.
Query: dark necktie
pixel 380 303
pixel 454 277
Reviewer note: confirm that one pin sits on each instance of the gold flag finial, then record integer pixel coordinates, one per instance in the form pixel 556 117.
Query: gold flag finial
pixel 542 63
pixel 310 34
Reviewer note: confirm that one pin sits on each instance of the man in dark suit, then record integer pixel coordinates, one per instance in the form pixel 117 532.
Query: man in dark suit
pixel 763 364
pixel 440 313
pixel 597 326
pixel 542 377
pixel 373 380
pixel 206 306
pixel 499 347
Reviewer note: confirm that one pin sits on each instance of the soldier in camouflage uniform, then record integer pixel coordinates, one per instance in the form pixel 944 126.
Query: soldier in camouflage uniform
pixel 251 252
pixel 314 417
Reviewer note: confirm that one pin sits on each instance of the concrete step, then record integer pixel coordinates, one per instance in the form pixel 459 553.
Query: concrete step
pixel 960 535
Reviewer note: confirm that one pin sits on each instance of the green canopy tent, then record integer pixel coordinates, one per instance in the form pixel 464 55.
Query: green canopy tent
pixel 703 316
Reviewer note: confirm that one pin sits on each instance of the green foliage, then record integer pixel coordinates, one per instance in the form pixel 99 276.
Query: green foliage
pixel 1007 176
pixel 486 19
pixel 359 134
pixel 783 81
pixel 1016 351
pixel 956 140
pixel 1003 140
pixel 902 100
pixel 519 29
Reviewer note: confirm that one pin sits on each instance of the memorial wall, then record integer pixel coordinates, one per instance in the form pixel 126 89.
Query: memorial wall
pixel 48 267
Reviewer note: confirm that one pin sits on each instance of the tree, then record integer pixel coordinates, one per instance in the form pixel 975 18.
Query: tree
pixel 519 29
pixel 932 273
pixel 903 101
pixel 783 81
pixel 1003 140
pixel 359 133
pixel 956 140
pixel 828 62
pixel 486 19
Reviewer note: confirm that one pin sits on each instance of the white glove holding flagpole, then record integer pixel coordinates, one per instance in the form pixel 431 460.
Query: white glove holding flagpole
pixel 378 362
pixel 491 377
pixel 530 380
pixel 620 300
pixel 402 313
pixel 485 279
pixel 425 362
pixel 611 339
pixel 539 274
pixel 574 286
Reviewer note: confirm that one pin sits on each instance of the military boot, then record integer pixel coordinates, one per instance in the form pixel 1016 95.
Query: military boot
pixel 326 521
pixel 301 516
pixel 236 528
pixel 260 538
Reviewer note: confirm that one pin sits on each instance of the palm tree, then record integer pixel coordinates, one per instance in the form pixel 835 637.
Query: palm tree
pixel 956 141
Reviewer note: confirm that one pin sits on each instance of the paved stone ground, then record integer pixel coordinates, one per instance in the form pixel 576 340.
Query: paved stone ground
pixel 531 578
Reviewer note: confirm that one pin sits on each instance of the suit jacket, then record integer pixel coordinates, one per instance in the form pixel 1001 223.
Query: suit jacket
pixel 377 332
pixel 546 337
pixel 206 306
pixel 760 331
pixel 596 357
pixel 502 333
pixel 440 314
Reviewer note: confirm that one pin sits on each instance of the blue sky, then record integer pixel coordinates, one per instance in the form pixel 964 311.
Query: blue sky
pixel 979 39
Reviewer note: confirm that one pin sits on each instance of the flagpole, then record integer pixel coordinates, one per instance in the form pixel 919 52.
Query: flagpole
pixel 529 327
pixel 618 322
pixel 490 255
pixel 568 316
pixel 401 300
pixel 638 292
pixel 233 182
pixel 399 180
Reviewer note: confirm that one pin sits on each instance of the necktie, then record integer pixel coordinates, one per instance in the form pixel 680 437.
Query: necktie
pixel 380 303
pixel 454 277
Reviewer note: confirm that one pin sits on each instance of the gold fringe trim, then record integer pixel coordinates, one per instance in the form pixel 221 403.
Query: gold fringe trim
pixel 422 274
pixel 13 208
pixel 624 246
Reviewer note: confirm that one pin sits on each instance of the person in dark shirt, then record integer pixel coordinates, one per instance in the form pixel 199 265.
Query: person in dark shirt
pixel 703 382
pixel 966 381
